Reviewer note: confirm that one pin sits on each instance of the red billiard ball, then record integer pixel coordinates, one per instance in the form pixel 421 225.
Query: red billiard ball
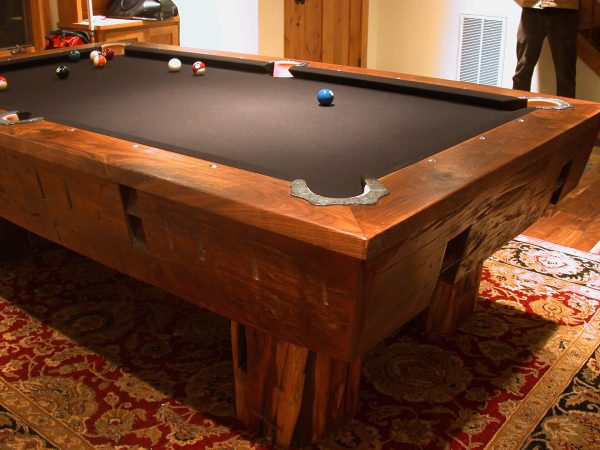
pixel 3 83
pixel 199 68
pixel 100 61
pixel 108 53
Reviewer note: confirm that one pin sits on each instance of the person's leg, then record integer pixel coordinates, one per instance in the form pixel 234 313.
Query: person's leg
pixel 530 38
pixel 561 28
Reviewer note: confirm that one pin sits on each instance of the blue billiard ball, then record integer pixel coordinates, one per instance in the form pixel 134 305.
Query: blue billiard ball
pixel 325 97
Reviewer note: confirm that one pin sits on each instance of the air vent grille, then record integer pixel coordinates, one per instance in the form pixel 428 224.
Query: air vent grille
pixel 481 49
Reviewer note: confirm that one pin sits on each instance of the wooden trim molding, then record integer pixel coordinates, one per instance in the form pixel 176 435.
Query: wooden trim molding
pixel 39 12
pixel 70 11
pixel 588 54
pixel 40 22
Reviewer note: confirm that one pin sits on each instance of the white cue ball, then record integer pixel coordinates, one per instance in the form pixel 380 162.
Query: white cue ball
pixel 174 65
pixel 93 55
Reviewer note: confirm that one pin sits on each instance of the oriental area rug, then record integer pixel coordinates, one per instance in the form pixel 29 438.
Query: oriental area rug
pixel 91 359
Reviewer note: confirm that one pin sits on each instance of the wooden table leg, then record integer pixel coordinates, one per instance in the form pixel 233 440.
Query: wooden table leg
pixel 287 392
pixel 14 240
pixel 453 301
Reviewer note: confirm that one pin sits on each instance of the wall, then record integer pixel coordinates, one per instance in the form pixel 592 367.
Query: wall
pixel 229 25
pixel 423 37
pixel 270 27
pixel 588 83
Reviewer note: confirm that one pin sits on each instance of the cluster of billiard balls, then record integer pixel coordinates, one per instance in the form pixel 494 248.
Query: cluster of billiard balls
pixel 98 58
pixel 199 68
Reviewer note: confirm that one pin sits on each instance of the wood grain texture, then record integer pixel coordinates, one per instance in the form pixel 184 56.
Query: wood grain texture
pixel 336 31
pixel 77 10
pixel 575 221
pixel 40 22
pixel 164 31
pixel 287 392
pixel 70 10
pixel 332 31
pixel 588 53
pixel 364 33
pixel 303 30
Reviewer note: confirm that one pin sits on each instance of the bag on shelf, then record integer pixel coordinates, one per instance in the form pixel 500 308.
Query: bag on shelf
pixel 142 9
pixel 66 38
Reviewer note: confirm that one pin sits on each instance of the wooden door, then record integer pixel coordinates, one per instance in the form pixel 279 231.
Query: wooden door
pixel 331 31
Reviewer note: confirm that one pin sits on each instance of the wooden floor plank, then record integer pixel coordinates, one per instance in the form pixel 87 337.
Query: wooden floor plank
pixel 575 222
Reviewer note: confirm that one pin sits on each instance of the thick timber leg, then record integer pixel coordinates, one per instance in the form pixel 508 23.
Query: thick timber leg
pixel 453 301
pixel 13 240
pixel 287 392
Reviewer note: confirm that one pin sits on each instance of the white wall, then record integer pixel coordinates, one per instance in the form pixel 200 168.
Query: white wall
pixel 229 25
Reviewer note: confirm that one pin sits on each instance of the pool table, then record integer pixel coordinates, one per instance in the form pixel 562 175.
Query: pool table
pixel 317 230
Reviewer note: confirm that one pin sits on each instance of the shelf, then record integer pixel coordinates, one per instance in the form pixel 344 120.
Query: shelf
pixel 73 16
pixel 157 31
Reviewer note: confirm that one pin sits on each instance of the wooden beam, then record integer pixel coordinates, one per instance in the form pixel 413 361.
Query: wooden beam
pixel 288 393
pixel 70 11
pixel 588 53
pixel 40 22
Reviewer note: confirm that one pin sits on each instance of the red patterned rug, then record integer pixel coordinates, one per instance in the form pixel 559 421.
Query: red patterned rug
pixel 92 359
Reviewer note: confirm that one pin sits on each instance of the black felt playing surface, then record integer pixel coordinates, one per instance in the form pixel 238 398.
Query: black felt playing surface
pixel 251 120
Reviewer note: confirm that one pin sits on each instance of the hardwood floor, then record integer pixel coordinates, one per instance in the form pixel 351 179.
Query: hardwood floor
pixel 575 222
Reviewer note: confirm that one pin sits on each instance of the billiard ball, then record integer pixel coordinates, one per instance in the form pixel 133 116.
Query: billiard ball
pixel 100 61
pixel 74 56
pixel 174 65
pixel 62 72
pixel 325 97
pixel 93 55
pixel 199 68
pixel 3 83
pixel 108 53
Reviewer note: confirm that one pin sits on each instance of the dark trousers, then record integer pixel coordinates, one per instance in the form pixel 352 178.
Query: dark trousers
pixel 560 26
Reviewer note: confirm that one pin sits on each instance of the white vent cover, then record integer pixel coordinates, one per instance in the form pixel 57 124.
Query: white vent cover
pixel 481 49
